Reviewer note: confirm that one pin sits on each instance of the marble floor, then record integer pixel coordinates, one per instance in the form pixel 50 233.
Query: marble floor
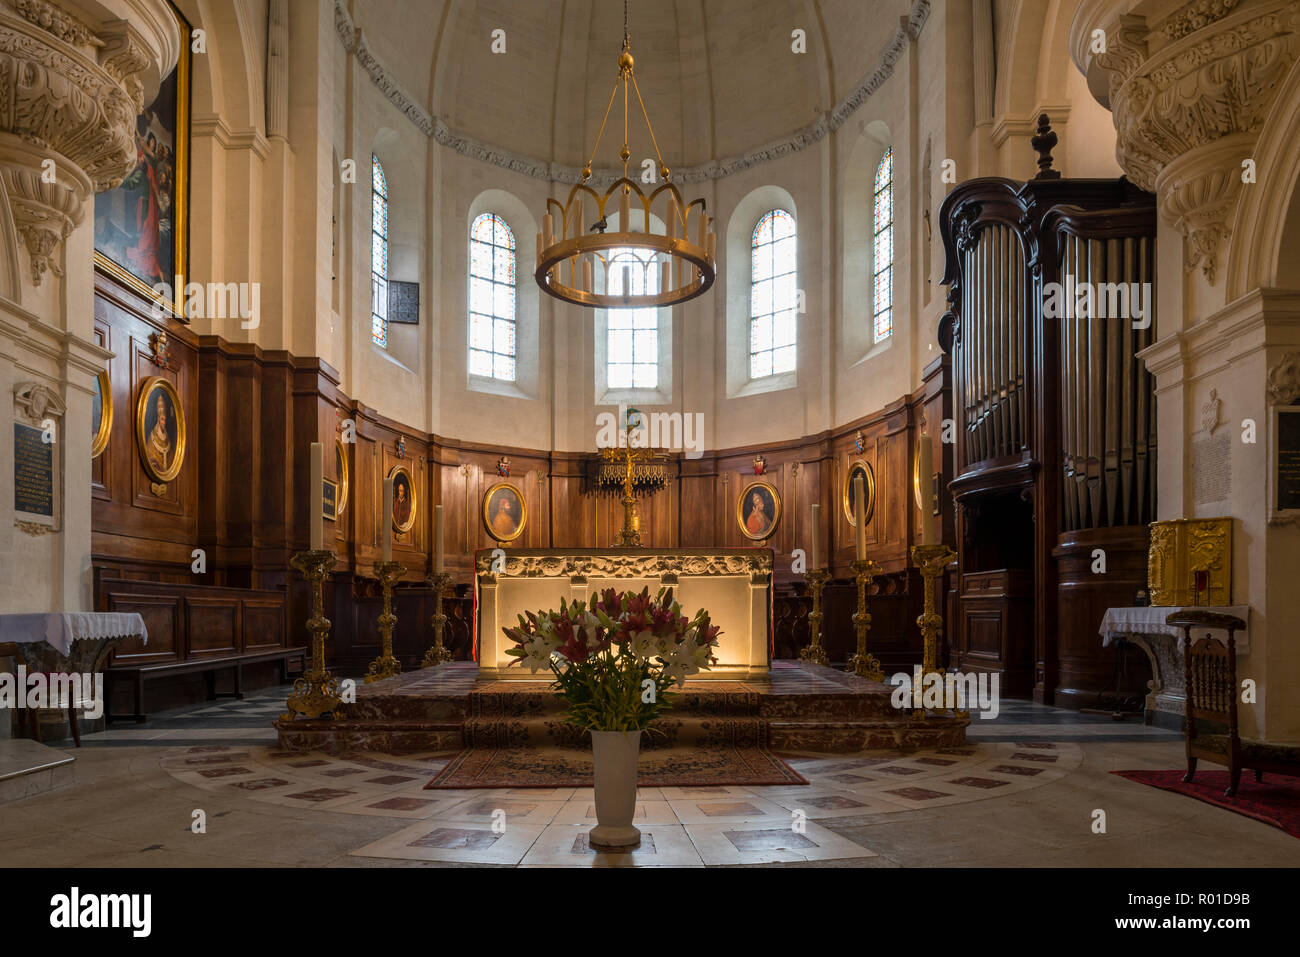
pixel 1023 792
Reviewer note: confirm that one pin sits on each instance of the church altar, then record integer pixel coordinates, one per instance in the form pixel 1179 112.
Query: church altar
pixel 733 584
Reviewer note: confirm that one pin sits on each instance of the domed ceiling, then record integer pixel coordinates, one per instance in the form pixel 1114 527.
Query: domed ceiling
pixel 719 77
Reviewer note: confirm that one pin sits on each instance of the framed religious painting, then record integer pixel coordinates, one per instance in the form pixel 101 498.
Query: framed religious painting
pixel 758 511
pixel 142 225
pixel 101 414
pixel 160 429
pixel 504 512
pixel 405 500
pixel 858 467
pixel 341 474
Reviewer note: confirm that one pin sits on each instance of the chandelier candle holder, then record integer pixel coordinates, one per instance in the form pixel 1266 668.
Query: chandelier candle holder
pixel 317 692
pixel 673 266
pixel 386 665
pixel 437 654
pixel 862 664
pixel 931 560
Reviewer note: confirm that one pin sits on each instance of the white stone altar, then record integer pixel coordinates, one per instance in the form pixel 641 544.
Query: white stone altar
pixel 733 584
pixel 1145 627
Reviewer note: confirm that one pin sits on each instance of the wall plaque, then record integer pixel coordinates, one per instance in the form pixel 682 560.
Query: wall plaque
pixel 1212 466
pixel 1286 459
pixel 33 474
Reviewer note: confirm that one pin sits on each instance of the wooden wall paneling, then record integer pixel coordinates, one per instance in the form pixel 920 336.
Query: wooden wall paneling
pixel 213 627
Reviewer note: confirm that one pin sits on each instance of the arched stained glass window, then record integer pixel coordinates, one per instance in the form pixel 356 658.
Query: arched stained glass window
pixel 773 296
pixel 632 335
pixel 492 298
pixel 378 253
pixel 882 256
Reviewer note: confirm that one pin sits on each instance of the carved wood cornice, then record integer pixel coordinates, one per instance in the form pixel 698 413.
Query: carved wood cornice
pixel 352 38
pixel 1189 92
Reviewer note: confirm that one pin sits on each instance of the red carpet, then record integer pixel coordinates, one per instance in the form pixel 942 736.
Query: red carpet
pixel 1276 801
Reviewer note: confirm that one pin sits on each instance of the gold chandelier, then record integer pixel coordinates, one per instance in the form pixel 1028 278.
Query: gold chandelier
pixel 657 269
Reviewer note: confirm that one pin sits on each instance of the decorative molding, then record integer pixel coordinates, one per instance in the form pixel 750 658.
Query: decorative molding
pixel 630 565
pixel 1210 412
pixel 1284 380
pixel 35 528
pixel 36 401
pixel 353 41
pixel 56 21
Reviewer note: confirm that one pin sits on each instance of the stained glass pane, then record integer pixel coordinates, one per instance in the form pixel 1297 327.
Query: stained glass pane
pixel 620 375
pixel 645 376
pixel 480 332
pixel 882 248
pixel 621 344
pixel 378 253
pixel 773 293
pixel 492 298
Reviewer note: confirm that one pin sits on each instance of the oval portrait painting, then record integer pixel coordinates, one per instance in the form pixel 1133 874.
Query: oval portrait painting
pixel 758 510
pixel 341 475
pixel 404 499
pixel 859 467
pixel 160 429
pixel 504 512
pixel 101 414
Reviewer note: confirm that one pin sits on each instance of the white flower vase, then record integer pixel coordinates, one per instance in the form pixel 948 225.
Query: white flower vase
pixel 615 756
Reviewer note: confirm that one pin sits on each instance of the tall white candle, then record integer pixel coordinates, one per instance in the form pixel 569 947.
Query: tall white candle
pixel 711 245
pixel 386 522
pixel 672 216
pixel 316 498
pixel 924 477
pixel 625 210
pixel 437 539
pixel 860 515
pixel 666 276
pixel 548 229
pixel 815 558
pixel 703 228
pixel 586 275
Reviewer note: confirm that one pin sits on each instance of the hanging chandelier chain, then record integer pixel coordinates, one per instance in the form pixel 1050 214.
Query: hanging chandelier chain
pixel 651 129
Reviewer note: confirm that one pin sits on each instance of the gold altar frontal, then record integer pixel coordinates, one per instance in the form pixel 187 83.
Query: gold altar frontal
pixel 733 584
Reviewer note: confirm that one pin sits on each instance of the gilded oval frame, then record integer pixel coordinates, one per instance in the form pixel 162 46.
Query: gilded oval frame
pixel 870 508
pixel 100 441
pixel 740 511
pixel 523 511
pixel 395 471
pixel 343 478
pixel 147 388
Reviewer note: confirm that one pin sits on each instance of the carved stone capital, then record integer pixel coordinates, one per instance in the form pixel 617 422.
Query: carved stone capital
pixel 1284 380
pixel 71 86
pixel 35 401
pixel 1189 85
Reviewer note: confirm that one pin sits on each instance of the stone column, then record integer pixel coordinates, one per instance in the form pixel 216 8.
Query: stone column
pixel 74 75
pixel 1190 85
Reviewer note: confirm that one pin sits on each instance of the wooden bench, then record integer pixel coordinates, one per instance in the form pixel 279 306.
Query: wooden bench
pixel 1212 691
pixel 139 673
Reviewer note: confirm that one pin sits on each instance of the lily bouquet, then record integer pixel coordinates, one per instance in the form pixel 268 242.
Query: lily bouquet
pixel 615 658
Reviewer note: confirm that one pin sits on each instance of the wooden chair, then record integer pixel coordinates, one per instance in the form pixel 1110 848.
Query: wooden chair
pixel 9 649
pixel 1210 668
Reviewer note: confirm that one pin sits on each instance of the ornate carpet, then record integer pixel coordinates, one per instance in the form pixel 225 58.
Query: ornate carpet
pixel 516 737
pixel 1275 801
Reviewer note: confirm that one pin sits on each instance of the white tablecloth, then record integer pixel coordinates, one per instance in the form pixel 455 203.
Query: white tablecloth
pixel 1151 621
pixel 62 628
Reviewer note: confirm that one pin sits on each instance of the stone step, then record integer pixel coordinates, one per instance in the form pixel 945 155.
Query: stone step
pixel 28 768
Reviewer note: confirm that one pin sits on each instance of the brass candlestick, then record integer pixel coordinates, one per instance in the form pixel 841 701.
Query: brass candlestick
pixel 317 692
pixel 815 652
pixel 931 560
pixel 862 664
pixel 437 654
pixel 386 665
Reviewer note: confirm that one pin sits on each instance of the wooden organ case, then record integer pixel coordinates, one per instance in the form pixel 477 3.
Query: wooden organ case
pixel 1054 458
